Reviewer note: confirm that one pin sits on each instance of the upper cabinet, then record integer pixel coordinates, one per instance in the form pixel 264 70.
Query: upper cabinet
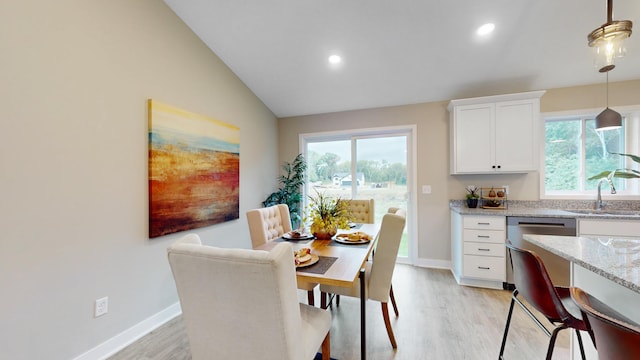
pixel 495 134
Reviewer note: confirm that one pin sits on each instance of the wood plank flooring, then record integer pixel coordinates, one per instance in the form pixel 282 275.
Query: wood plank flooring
pixel 438 320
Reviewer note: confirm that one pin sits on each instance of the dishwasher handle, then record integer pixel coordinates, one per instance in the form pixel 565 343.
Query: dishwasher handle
pixel 537 224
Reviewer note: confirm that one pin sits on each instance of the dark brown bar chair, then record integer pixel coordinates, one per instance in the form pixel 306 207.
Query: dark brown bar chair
pixel 554 302
pixel 615 336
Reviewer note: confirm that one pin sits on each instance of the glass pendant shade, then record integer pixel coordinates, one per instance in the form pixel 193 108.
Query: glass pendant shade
pixel 608 120
pixel 608 40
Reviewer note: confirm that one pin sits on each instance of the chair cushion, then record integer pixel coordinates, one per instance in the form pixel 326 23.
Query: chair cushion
pixel 315 325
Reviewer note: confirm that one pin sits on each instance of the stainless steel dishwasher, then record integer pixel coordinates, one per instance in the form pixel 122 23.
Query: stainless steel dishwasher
pixel 557 267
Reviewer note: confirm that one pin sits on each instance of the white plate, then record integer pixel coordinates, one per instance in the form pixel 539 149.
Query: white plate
pixel 288 236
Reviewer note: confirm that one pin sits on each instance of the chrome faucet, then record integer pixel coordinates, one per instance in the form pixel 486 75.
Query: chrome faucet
pixel 599 197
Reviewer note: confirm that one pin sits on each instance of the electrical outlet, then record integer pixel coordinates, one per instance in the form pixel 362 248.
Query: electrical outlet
pixel 506 189
pixel 426 189
pixel 101 307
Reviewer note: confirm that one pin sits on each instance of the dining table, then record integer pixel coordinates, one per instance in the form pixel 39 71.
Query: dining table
pixel 339 264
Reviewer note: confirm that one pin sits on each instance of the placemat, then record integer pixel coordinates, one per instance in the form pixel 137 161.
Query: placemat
pixel 321 267
pixel 303 242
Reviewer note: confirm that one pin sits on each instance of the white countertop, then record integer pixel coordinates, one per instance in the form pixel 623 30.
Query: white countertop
pixel 615 258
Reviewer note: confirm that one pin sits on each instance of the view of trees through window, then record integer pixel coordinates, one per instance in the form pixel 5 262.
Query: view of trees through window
pixel 575 151
pixel 380 172
pixel 325 166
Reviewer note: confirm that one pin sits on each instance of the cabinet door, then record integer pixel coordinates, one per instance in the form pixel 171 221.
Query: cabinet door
pixel 472 139
pixel 516 125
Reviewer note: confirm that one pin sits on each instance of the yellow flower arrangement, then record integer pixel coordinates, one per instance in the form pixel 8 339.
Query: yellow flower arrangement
pixel 326 215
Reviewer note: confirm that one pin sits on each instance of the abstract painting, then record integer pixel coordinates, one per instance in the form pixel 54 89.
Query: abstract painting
pixel 194 170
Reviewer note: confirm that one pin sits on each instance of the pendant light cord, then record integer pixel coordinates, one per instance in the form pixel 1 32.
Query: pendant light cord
pixel 607 89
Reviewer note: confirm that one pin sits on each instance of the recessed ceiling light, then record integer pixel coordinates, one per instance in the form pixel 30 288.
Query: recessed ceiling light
pixel 335 59
pixel 485 29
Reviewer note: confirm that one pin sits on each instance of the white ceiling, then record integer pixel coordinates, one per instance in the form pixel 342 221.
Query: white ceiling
pixel 399 52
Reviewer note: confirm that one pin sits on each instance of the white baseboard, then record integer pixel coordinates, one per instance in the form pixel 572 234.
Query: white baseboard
pixel 129 336
pixel 433 263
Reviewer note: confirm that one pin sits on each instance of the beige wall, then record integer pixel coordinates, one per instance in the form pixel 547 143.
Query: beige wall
pixel 74 79
pixel 432 121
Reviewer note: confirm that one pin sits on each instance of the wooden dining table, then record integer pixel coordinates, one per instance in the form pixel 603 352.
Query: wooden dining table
pixel 346 269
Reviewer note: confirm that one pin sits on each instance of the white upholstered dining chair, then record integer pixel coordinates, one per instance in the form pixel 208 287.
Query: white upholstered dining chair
pixel 268 224
pixel 379 271
pixel 361 211
pixel 218 289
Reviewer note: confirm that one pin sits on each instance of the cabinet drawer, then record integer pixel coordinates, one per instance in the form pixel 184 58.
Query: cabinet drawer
pixel 609 227
pixel 484 249
pixel 484 267
pixel 484 222
pixel 486 236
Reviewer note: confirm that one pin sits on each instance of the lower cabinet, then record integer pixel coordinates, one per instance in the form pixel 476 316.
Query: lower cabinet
pixel 608 227
pixel 478 254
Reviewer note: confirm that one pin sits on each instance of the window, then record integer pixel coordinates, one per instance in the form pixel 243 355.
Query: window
pixel 574 152
pixel 365 164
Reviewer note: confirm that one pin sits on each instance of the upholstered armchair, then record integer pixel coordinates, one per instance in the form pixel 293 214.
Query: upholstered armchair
pixel 242 304
pixel 268 224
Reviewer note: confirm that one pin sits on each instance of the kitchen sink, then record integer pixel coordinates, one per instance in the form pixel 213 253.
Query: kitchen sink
pixel 610 212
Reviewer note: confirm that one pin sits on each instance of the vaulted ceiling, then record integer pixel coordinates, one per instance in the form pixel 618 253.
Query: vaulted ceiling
pixel 398 52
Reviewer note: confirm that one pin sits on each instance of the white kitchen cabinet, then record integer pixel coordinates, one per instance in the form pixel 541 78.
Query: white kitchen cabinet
pixel 478 254
pixel 608 228
pixel 495 134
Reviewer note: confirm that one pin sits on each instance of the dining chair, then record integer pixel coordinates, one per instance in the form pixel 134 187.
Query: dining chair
pixel 268 224
pixel 361 211
pixel 378 271
pixel 398 211
pixel 218 289
pixel 534 285
pixel 616 337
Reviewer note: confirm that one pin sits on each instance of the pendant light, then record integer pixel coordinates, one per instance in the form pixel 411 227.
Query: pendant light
pixel 608 40
pixel 608 119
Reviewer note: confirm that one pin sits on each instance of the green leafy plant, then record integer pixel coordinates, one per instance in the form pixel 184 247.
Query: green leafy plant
pixel 473 192
pixel 625 173
pixel 290 188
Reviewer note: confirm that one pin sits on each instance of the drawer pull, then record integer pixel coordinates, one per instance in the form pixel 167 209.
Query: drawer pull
pixel 481 249
pixel 484 236
pixel 483 268
pixel 484 223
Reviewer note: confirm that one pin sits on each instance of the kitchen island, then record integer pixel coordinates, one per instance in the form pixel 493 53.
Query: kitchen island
pixel 604 266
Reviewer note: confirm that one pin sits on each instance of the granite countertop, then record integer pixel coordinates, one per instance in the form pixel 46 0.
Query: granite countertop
pixel 565 209
pixel 615 258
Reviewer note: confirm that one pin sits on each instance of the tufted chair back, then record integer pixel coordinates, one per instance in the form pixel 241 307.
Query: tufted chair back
pixel 362 211
pixel 242 304
pixel 267 224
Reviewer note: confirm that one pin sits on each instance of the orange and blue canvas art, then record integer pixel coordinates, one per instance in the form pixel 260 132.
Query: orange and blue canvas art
pixel 194 170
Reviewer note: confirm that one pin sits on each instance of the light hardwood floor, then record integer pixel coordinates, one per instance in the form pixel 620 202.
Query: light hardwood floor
pixel 438 320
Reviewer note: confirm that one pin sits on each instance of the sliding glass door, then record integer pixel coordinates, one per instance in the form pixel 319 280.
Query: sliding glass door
pixel 363 165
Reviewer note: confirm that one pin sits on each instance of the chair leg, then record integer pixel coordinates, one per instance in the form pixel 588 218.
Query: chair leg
pixel 387 323
pixel 326 347
pixel 580 344
pixel 506 326
pixel 552 341
pixel 310 298
pixel 393 301
pixel 337 300
pixel 323 300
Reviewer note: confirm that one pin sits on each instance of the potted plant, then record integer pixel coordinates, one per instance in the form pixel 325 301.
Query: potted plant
pixel 620 173
pixel 326 215
pixel 290 193
pixel 472 196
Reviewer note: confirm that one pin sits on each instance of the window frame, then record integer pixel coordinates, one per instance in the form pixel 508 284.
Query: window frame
pixel 632 124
